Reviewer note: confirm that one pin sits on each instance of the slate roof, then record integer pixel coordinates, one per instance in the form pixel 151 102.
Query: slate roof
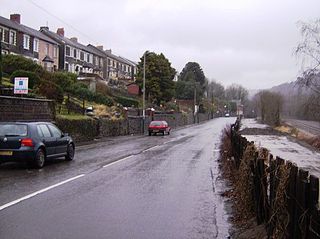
pixel 27 30
pixel 129 62
pixel 67 41
pixel 108 54
pixel 96 50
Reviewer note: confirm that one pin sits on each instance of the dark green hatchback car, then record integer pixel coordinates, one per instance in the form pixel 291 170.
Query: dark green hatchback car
pixel 34 142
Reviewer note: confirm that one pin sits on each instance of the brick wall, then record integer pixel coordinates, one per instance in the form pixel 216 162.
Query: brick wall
pixel 26 109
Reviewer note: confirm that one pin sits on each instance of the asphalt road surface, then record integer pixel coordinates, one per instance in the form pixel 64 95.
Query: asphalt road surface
pixel 124 187
pixel 312 127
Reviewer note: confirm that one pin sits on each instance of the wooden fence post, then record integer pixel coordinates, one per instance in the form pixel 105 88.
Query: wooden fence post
pixel 314 224
pixel 291 201
pixel 300 229
pixel 272 178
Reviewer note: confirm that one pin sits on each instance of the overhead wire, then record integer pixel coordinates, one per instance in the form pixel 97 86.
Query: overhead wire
pixel 64 22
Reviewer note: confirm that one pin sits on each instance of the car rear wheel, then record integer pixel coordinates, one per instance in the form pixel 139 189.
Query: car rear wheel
pixel 163 133
pixel 168 132
pixel 40 159
pixel 70 152
pixel 149 133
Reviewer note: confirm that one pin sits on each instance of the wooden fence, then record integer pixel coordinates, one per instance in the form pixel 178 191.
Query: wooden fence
pixel 286 197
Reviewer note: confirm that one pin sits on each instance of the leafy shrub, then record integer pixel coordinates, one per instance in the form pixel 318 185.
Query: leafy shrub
pixel 81 91
pixel 102 88
pixel 127 102
pixel 51 91
pixel 102 99
pixel 34 79
pixel 64 79
pixel 11 63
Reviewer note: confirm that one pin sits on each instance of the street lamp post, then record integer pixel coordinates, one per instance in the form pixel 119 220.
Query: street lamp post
pixel 144 93
pixel 0 63
pixel 144 87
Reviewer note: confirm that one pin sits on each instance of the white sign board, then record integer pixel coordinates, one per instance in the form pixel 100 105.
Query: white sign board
pixel 21 85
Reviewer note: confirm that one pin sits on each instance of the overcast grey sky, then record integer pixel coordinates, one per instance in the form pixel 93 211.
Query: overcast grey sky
pixel 248 42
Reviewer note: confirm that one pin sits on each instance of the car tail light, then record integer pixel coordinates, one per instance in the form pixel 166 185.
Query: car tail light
pixel 27 142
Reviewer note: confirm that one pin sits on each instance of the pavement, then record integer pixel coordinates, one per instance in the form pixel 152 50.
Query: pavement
pixel 123 187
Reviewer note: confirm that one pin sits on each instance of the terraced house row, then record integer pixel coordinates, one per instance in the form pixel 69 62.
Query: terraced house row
pixel 54 51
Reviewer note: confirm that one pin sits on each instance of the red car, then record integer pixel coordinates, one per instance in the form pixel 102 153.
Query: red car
pixel 158 127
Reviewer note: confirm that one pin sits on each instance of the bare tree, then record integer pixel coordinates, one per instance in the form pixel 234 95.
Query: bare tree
pixel 308 51
pixel 269 105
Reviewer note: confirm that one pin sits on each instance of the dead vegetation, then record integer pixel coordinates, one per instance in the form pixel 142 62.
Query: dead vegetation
pixel 312 140
pixel 241 188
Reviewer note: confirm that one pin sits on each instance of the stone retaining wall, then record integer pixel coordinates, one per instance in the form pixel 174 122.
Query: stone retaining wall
pixel 26 109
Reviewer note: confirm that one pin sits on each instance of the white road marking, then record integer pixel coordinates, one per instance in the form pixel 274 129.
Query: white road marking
pixel 168 142
pixel 216 150
pixel 118 161
pixel 39 192
pixel 146 150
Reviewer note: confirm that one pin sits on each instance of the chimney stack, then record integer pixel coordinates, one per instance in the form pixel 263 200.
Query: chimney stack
pixel 44 28
pixel 74 39
pixel 60 31
pixel 100 48
pixel 15 18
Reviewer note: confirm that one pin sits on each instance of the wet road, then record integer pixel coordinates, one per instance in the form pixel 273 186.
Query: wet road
pixel 126 187
pixel 311 127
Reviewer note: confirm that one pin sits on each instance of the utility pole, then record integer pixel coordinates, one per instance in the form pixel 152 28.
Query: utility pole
pixel 144 92
pixel 0 63
pixel 144 87
pixel 195 102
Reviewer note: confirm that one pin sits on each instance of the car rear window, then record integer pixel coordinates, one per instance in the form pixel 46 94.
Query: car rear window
pixel 13 130
pixel 156 123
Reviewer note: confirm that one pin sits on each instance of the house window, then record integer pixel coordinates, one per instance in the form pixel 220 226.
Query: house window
pixel 36 45
pixel 55 51
pixel 12 37
pixel 87 57
pixel 47 49
pixel 78 54
pixel 81 55
pixel 68 51
pixel 26 42
pixel 5 36
pixel 1 34
pixel 109 62
pixel 91 59
pixel 75 53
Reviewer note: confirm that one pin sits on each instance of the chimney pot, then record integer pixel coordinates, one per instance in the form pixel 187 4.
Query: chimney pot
pixel 74 39
pixel 60 31
pixel 15 18
pixel 44 28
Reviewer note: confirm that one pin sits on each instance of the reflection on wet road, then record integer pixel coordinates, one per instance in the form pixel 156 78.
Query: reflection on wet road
pixel 139 187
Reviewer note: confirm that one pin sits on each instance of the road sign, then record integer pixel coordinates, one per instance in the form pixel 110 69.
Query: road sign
pixel 21 85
